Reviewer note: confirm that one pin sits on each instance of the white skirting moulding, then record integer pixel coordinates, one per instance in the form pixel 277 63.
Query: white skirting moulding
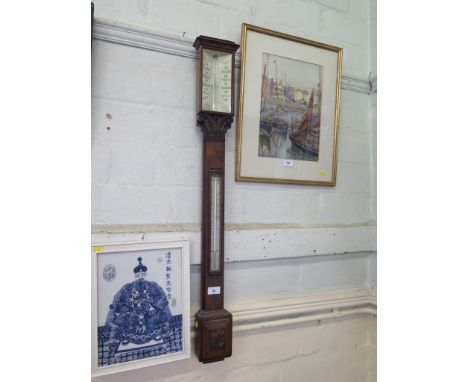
pixel 289 311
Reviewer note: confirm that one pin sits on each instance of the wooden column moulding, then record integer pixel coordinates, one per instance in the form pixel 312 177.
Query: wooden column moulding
pixel 215 110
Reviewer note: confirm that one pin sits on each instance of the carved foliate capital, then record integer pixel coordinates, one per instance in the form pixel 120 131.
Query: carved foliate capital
pixel 214 126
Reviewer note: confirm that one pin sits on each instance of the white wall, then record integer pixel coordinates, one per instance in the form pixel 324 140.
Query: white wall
pixel 281 240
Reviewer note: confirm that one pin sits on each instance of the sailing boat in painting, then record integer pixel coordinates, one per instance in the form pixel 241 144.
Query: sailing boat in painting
pixel 289 125
pixel 305 139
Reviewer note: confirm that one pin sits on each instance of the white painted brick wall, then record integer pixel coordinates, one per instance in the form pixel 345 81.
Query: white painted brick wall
pixel 373 101
pixel 152 142
pixel 146 170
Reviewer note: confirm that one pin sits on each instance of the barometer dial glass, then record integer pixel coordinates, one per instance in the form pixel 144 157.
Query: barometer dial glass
pixel 216 82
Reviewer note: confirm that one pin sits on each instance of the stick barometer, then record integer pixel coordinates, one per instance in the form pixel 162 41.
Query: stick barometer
pixel 215 110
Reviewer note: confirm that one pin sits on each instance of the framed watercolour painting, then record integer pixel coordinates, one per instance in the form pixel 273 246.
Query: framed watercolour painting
pixel 141 305
pixel 288 111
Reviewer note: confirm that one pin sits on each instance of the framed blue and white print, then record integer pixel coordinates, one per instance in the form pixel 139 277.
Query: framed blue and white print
pixel 141 305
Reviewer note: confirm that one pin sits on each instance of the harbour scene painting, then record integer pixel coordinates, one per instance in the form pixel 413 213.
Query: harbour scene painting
pixel 291 99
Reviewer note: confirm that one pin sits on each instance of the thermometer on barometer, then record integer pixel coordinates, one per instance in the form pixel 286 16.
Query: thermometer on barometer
pixel 215 221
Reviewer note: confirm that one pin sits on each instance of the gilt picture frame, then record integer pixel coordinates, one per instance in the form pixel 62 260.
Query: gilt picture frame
pixel 289 108
pixel 140 305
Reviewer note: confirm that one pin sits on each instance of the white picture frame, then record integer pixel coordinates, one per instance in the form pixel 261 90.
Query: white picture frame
pixel 136 321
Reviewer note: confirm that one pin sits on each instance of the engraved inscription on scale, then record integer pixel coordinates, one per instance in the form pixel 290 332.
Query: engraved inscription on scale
pixel 216 94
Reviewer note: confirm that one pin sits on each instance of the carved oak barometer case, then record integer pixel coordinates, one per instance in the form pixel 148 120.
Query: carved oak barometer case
pixel 215 110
